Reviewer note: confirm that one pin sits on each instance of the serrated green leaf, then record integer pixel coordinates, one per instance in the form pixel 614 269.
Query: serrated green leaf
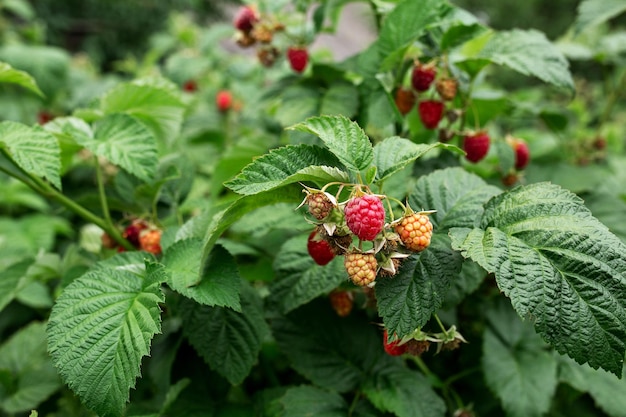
pixel 307 400
pixel 457 195
pixel 407 300
pixel 299 279
pixel 529 52
pixel 100 328
pixel 595 12
pixel 343 137
pixel 468 281
pixel 340 99
pixel 287 165
pixel 516 364
pixel 216 285
pixel 227 340
pixel 394 153
pixel 24 356
pixel 459 34
pixel 404 392
pixel 8 74
pixel 32 149
pixel 561 268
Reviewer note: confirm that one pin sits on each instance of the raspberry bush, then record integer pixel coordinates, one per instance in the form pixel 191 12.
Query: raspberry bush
pixel 237 223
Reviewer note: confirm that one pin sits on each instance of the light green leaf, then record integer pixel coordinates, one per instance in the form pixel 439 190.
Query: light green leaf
pixel 227 340
pixel 101 327
pixel 32 149
pixel 48 65
pixel 516 364
pixel 8 74
pixel 394 153
pixel 216 285
pixel 307 400
pixel 595 12
pixel 340 99
pixel 299 279
pixel 561 268
pixel 287 165
pixel 459 34
pixel 12 280
pixel 343 138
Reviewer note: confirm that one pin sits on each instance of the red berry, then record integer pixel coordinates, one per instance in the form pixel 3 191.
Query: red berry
pixel 224 100
pixel 150 241
pixel 522 154
pixel 423 76
pixel 319 249
pixel 190 86
pixel 431 112
pixel 245 18
pixel 393 348
pixel 44 117
pixel 415 231
pixel 298 58
pixel 132 231
pixel 342 302
pixel 476 146
pixel 361 268
pixel 365 216
pixel 405 100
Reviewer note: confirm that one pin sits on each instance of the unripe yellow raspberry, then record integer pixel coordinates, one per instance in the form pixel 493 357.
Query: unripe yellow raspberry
pixel 361 268
pixel 415 231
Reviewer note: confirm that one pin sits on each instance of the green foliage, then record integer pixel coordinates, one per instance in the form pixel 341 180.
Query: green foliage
pixel 9 74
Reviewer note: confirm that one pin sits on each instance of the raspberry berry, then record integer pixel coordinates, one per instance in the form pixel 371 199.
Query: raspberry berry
pixel 132 232
pixel 361 268
pixel 415 231
pixel 476 146
pixel 446 87
pixel 223 100
pixel 405 100
pixel 245 18
pixel 431 112
pixel 522 153
pixel 365 216
pixel 150 241
pixel 190 86
pixel 298 58
pixel 342 302
pixel 319 249
pixel 422 77
pixel 320 205
pixel 44 117
pixel 393 348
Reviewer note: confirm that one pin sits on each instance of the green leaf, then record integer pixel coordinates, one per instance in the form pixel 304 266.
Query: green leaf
pixel 12 280
pixel 457 195
pixel 32 149
pixel 287 165
pixel 299 279
pixel 8 74
pixel 307 400
pixel 101 327
pixel 404 392
pixel 595 12
pixel 516 364
pixel 407 300
pixel 559 265
pixel 297 103
pixel 216 285
pixel 48 65
pixel 125 142
pixel 227 340
pixel 459 34
pixel 529 52
pixel 24 356
pixel 340 99
pixel 343 138
pixel 394 153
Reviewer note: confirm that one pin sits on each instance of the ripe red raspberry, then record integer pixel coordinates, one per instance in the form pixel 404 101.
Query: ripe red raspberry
pixel 423 76
pixel 522 154
pixel 415 231
pixel 476 146
pixel 224 100
pixel 44 117
pixel 298 57
pixel 132 231
pixel 365 216
pixel 190 86
pixel 431 112
pixel 446 87
pixel 150 241
pixel 405 100
pixel 319 249
pixel 393 348
pixel 361 268
pixel 320 205
pixel 245 18
pixel 342 302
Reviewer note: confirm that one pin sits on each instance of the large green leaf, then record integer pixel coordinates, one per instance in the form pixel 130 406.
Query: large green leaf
pixel 516 364
pixel 299 279
pixel 8 74
pixel 307 400
pixel 343 137
pixel 32 149
pixel 560 266
pixel 595 12
pixel 34 377
pixel 101 327
pixel 287 165
pixel 228 341
pixel 340 99
pixel 407 300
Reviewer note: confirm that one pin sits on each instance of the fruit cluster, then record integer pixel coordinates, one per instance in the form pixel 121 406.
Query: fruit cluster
pixel 140 234
pixel 419 341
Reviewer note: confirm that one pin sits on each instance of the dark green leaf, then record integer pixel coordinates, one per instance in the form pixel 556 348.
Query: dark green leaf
pixel 311 401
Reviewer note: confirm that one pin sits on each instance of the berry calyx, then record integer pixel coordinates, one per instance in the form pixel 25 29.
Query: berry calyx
pixel 298 58
pixel 415 231
pixel 446 88
pixel 393 348
pixel 365 216
pixel 319 249
pixel 476 146
pixel 423 76
pixel 342 302
pixel 150 241
pixel 430 112
pixel 245 18
pixel 361 268
pixel 405 100
pixel 223 100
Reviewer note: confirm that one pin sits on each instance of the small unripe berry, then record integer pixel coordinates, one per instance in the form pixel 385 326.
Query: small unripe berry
pixel 361 268
pixel 415 231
